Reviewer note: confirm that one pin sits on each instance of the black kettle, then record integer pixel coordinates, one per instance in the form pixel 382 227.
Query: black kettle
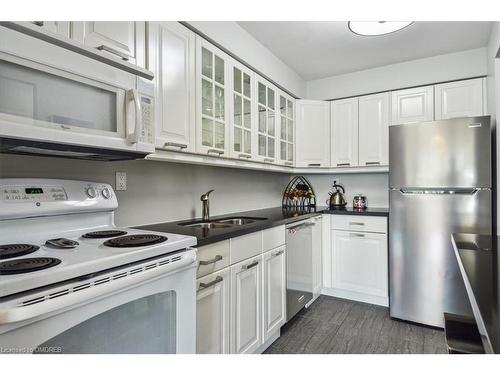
pixel 337 198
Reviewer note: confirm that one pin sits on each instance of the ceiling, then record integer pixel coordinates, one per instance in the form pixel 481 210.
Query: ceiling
pixel 321 49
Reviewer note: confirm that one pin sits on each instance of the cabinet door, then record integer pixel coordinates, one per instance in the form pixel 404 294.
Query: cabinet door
pixel 313 133
pixel 118 38
pixel 274 291
pixel 171 58
pixel 266 95
pixel 246 308
pixel 412 105
pixel 374 130
pixel 459 99
pixel 286 129
pixel 58 27
pixel 344 137
pixel 212 77
pixel 242 128
pixel 359 262
pixel 212 313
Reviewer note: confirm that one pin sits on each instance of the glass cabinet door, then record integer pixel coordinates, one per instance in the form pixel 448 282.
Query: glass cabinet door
pixel 287 136
pixel 213 116
pixel 242 112
pixel 266 129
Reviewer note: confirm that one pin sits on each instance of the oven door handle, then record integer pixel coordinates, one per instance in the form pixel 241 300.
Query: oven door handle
pixel 133 136
pixel 118 283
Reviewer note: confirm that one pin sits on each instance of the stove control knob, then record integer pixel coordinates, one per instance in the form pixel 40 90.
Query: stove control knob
pixel 106 193
pixel 91 192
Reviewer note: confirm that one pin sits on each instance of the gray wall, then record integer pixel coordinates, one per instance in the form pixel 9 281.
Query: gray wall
pixel 160 191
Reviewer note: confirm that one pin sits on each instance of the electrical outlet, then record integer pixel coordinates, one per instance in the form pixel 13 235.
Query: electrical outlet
pixel 121 181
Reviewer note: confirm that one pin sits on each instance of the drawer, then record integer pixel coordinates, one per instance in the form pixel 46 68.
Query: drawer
pixel 212 258
pixel 359 223
pixel 272 238
pixel 246 246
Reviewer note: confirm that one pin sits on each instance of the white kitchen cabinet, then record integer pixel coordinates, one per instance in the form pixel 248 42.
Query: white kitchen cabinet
pixel 266 95
pixel 242 110
pixel 313 133
pixel 374 130
pixel 59 27
pixel 172 59
pixel 344 132
pixel 286 129
pixel 412 105
pixel 212 313
pixel 274 295
pixel 246 305
pixel 212 99
pixel 121 39
pixel 359 266
pixel 459 99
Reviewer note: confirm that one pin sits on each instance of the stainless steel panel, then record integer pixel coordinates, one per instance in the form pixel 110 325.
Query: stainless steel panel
pixel 445 153
pixel 425 279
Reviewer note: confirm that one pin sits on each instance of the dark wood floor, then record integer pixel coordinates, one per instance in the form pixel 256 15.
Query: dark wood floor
pixel 334 325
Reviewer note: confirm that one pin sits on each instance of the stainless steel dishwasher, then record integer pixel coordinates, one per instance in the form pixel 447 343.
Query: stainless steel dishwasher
pixel 299 266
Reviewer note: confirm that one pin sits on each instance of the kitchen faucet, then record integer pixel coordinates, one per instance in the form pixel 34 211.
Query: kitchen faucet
pixel 205 208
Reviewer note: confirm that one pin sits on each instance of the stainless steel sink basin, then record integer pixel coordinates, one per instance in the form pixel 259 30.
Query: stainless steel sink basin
pixel 237 221
pixel 207 225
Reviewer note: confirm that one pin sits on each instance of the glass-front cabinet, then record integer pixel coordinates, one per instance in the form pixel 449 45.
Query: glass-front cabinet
pixel 266 95
pixel 242 112
pixel 212 71
pixel 286 130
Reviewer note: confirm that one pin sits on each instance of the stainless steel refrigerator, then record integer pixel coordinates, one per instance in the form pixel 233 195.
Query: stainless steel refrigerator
pixel 440 183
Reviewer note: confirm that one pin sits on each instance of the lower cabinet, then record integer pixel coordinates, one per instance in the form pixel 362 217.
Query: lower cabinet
pixel 274 313
pixel 212 314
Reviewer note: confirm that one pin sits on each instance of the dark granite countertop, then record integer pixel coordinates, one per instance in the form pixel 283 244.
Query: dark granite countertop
pixel 272 217
pixel 479 264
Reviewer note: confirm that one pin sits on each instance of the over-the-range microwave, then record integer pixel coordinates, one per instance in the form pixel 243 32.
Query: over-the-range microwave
pixel 56 102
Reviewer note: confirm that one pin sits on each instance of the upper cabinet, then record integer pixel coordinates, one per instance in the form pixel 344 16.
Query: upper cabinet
pixel 123 39
pixel 313 128
pixel 171 49
pixel 59 27
pixel 344 137
pixel 242 112
pixel 286 129
pixel 459 99
pixel 412 105
pixel 374 130
pixel 212 94
pixel 266 95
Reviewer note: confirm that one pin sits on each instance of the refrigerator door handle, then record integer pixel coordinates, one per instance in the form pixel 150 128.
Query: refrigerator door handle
pixel 443 191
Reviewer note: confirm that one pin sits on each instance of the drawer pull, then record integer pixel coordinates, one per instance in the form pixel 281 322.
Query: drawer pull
pixel 38 23
pixel 214 151
pixel 278 253
pixel 289 163
pixel 372 163
pixel 211 261
pixel 217 280
pixel 314 165
pixel 113 51
pixel 251 265
pixel 244 156
pixel 356 223
pixel 269 160
pixel 173 144
pixel 356 235
pixel 343 164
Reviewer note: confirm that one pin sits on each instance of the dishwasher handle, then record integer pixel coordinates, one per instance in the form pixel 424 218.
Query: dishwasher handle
pixel 301 226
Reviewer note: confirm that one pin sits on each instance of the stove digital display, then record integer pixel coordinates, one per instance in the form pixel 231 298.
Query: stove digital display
pixel 33 190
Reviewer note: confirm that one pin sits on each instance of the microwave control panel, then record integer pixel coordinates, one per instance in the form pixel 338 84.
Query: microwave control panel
pixel 147 115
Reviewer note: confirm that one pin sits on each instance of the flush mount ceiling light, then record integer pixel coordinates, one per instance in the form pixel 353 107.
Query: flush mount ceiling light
pixel 370 28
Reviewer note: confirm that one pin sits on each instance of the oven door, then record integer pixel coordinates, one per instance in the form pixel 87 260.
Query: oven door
pixel 152 311
pixel 46 97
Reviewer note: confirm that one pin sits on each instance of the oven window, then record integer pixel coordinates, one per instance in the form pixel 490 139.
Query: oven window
pixel 38 95
pixel 146 326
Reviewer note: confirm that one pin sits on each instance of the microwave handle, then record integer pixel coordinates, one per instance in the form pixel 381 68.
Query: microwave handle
pixel 133 137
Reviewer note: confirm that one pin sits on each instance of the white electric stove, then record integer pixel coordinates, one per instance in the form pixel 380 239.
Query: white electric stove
pixel 66 270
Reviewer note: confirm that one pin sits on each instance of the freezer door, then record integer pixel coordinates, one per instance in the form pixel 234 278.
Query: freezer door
pixel 424 277
pixel 445 153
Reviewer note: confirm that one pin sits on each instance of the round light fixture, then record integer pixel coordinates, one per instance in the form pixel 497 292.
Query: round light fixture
pixel 370 28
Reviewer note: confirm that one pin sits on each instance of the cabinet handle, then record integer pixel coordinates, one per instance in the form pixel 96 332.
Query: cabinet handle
pixel 245 156
pixel 343 164
pixel 289 163
pixel 269 160
pixel 121 55
pixel 38 23
pixel 314 165
pixel 355 223
pixel 173 144
pixel 278 253
pixel 356 235
pixel 211 261
pixel 372 163
pixel 251 265
pixel 214 151
pixel 217 280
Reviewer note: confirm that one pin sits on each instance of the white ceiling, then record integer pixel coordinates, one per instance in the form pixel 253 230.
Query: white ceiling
pixel 322 49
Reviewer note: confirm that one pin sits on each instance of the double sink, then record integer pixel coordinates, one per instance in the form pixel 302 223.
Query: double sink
pixel 222 223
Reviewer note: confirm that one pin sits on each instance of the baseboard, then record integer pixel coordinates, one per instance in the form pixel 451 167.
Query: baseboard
pixel 355 296
pixel 261 349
